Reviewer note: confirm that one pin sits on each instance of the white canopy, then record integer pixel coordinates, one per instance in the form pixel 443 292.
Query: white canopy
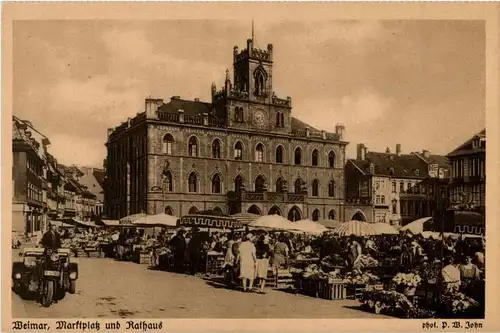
pixel 384 228
pixel 131 218
pixel 272 222
pixel 417 226
pixel 158 220
pixel 309 227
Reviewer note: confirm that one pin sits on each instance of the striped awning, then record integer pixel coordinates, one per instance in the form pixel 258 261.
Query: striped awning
pixel 245 218
pixel 330 224
pixel 356 228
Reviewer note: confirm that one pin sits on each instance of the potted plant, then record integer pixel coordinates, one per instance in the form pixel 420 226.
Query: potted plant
pixel 407 283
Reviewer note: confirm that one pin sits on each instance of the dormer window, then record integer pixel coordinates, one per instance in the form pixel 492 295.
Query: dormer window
pixel 476 143
pixel 416 172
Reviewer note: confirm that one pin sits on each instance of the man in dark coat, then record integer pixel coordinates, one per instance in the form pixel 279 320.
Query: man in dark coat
pixel 51 239
pixel 178 244
pixel 194 251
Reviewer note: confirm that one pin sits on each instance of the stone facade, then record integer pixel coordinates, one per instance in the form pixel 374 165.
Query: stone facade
pixel 244 151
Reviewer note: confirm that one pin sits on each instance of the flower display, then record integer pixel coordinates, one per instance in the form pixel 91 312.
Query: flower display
pixel 357 277
pixel 392 303
pixel 410 280
pixel 458 304
pixel 368 261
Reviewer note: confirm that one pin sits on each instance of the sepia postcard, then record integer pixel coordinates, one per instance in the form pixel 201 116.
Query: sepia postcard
pixel 250 166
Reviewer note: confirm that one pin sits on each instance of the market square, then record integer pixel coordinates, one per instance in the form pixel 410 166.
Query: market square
pixel 246 203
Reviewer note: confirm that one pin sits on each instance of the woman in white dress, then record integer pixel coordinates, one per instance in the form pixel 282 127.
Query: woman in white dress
pixel 247 260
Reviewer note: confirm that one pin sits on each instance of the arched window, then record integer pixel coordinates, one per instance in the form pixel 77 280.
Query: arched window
pixel 316 215
pixel 298 156
pixel 238 151
pixel 298 185
pixel 259 153
pixel 260 83
pixel 279 154
pixel 216 184
pixel 294 214
pixel 331 189
pixel 278 118
pixel 238 115
pixel 282 116
pixel 193 183
pixel 216 148
pixel 193 147
pixel 260 184
pixel 274 210
pixel 193 210
pixel 168 142
pixel 279 186
pixel 238 183
pixel 315 188
pixel 167 182
pixel 331 215
pixel 217 211
pixel 169 211
pixel 315 157
pixel 331 159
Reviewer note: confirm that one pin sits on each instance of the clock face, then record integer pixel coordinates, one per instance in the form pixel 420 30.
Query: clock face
pixel 259 118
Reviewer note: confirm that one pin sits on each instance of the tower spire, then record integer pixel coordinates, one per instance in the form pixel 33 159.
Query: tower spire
pixel 253 34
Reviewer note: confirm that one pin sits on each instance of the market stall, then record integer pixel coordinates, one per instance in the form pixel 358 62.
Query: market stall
pixel 204 222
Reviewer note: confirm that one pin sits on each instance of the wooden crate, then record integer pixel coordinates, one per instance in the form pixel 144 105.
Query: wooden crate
pixel 309 287
pixel 355 291
pixel 93 254
pixel 142 257
pixel 332 291
pixel 214 264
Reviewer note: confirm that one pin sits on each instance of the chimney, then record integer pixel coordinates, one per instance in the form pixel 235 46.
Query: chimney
pixel 398 149
pixel 235 52
pixel 361 152
pixel 426 153
pixel 270 51
pixel 196 99
pixel 339 130
pixel 387 150
pixel 175 98
pixel 152 105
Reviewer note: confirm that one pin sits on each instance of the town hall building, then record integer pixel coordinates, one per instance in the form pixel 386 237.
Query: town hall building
pixel 242 152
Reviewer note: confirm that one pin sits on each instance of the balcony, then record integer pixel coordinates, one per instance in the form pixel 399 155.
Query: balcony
pixel 359 201
pixel 273 197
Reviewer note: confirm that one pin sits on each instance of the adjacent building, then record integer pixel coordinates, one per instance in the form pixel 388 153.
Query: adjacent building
pixel 42 189
pixel 394 188
pixel 467 184
pixel 241 152
pixel 29 206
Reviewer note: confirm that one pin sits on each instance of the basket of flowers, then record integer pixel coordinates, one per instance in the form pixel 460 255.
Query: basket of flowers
pixel 458 305
pixel 407 283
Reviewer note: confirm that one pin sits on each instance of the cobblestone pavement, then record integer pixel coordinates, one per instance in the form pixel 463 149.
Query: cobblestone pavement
pixel 111 289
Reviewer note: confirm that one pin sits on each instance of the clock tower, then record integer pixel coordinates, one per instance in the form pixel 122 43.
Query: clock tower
pixel 249 102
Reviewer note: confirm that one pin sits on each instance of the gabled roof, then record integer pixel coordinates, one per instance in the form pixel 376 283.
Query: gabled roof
pixel 467 148
pixel 387 164
pixel 440 160
pixel 99 175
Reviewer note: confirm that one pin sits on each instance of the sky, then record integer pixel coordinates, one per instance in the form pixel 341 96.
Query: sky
pixel 418 83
